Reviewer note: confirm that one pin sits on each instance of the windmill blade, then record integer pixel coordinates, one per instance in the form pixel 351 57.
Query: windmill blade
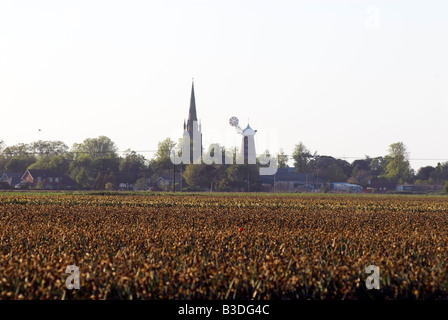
pixel 234 122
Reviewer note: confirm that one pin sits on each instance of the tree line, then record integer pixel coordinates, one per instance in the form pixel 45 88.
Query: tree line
pixel 96 164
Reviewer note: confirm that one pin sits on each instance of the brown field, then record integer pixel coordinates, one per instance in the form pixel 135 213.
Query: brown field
pixel 192 246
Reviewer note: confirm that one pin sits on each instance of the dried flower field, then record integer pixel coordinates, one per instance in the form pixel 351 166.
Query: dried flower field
pixel 223 246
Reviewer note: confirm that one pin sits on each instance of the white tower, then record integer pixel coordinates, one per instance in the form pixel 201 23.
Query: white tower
pixel 247 151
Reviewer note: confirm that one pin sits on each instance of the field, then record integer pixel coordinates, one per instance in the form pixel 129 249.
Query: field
pixel 173 246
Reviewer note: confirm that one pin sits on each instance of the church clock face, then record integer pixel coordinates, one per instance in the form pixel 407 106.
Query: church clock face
pixel 233 121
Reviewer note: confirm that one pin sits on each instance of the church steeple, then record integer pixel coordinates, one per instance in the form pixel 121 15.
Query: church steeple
pixel 193 128
pixel 192 116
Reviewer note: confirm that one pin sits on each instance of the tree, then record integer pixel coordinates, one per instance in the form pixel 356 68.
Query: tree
pixel 58 163
pixel 19 163
pixel 398 168
pixel 162 160
pixel 440 173
pixel 20 157
pixel 100 181
pixel 198 176
pixel 329 168
pixel 20 149
pixel 164 149
pixel 48 147
pixel 241 177
pixel 82 178
pixel 80 169
pixel 282 159
pixel 132 167
pixel 17 158
pixel 207 176
pixel 362 164
pixel 424 173
pixel 106 165
pixel 445 187
pixel 92 157
pixel 361 172
pixel 301 156
pixel 109 186
pixel 96 148
pixel 112 180
pixel 140 184
pixel 378 166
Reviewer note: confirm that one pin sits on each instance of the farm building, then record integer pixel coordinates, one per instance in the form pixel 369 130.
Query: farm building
pixel 287 180
pixel 404 187
pixel 344 187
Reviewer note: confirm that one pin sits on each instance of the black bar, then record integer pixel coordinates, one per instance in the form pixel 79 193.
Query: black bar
pixel 227 309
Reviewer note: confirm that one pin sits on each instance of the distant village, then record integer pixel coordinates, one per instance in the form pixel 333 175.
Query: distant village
pixel 95 164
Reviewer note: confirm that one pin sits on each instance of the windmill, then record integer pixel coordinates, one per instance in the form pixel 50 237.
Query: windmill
pixel 247 151
pixel 234 122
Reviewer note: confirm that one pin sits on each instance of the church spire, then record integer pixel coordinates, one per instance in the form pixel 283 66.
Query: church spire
pixel 192 116
pixel 192 113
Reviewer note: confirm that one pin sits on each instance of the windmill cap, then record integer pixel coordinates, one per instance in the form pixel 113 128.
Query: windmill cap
pixel 249 131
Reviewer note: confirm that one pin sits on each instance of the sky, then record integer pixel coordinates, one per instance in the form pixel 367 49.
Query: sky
pixel 346 78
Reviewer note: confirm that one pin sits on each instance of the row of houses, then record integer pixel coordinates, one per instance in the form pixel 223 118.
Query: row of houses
pixel 285 180
pixel 42 179
pixel 46 179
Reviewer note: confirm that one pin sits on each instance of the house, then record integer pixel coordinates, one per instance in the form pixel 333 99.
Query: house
pixel 344 187
pixel 46 179
pixel 287 180
pixel 166 180
pixel 11 178
pixel 125 186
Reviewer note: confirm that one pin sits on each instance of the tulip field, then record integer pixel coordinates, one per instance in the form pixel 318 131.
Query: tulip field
pixel 222 246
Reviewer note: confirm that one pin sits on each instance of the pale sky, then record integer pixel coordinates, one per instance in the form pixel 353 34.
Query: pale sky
pixel 347 78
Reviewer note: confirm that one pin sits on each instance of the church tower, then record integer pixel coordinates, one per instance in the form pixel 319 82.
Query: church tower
pixel 193 127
